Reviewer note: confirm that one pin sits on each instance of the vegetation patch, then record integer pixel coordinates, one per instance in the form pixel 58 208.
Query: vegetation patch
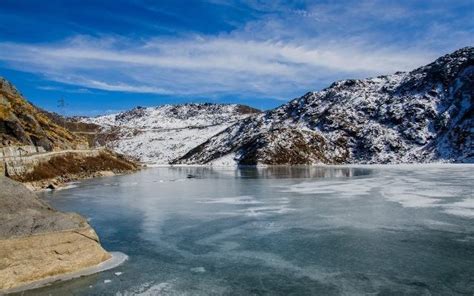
pixel 76 165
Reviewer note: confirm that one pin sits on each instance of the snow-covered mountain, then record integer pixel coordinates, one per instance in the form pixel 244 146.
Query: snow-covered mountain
pixel 161 134
pixel 425 115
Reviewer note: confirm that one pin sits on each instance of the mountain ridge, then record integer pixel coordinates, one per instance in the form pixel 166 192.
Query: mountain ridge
pixel 425 115
pixel 158 135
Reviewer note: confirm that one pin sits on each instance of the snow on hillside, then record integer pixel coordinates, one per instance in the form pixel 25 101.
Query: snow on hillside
pixel 426 115
pixel 158 135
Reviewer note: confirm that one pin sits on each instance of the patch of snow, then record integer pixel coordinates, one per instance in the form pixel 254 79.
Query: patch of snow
pixel 463 208
pixel 199 269
pixel 148 289
pixel 266 210
pixel 228 160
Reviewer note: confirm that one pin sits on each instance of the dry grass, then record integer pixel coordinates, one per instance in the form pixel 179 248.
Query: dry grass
pixel 72 164
pixel 4 112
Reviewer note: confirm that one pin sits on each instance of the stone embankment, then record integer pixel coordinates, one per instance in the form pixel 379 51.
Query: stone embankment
pixel 21 160
pixel 40 169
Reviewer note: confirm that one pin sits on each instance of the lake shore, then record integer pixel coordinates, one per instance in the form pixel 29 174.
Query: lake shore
pixel 116 259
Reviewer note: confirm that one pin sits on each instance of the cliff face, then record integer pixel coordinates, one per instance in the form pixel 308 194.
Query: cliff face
pixel 21 123
pixel 37 242
pixel 426 115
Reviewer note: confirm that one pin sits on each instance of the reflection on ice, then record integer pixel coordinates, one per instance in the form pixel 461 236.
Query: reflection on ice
pixel 304 172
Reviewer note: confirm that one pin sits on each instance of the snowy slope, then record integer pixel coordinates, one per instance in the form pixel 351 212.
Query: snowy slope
pixel 422 116
pixel 158 135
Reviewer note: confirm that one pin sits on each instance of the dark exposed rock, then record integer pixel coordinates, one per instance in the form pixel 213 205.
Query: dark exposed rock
pixel 22 213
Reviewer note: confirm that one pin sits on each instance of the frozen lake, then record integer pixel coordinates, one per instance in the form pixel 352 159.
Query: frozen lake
pixel 401 230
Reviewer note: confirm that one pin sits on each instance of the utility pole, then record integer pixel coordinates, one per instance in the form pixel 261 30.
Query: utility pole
pixel 62 108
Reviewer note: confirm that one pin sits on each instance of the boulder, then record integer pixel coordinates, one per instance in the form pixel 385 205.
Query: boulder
pixel 38 242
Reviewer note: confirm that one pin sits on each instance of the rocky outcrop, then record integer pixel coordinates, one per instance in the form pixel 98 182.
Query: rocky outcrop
pixel 21 124
pixel 426 115
pixel 38 242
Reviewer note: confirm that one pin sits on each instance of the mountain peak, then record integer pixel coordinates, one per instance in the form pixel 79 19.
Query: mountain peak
pixel 446 68
pixel 7 87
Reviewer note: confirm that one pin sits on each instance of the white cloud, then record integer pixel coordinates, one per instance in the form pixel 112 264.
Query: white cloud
pixel 120 87
pixel 63 89
pixel 197 66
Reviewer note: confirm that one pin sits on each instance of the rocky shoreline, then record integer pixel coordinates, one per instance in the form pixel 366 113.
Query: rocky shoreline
pixel 62 182
pixel 115 260
pixel 38 242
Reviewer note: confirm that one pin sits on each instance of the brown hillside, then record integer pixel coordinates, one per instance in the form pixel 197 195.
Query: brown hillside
pixel 21 123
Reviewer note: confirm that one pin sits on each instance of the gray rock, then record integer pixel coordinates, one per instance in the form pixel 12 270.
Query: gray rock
pixel 22 213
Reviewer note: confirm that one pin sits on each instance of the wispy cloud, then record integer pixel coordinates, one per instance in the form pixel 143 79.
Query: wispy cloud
pixel 63 89
pixel 202 65
pixel 289 50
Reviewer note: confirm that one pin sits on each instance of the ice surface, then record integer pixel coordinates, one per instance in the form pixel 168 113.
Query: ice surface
pixel 338 188
pixel 148 289
pixel 266 210
pixel 402 230
pixel 417 189
pixel 237 200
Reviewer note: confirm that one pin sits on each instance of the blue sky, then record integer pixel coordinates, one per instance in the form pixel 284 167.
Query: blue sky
pixel 104 56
